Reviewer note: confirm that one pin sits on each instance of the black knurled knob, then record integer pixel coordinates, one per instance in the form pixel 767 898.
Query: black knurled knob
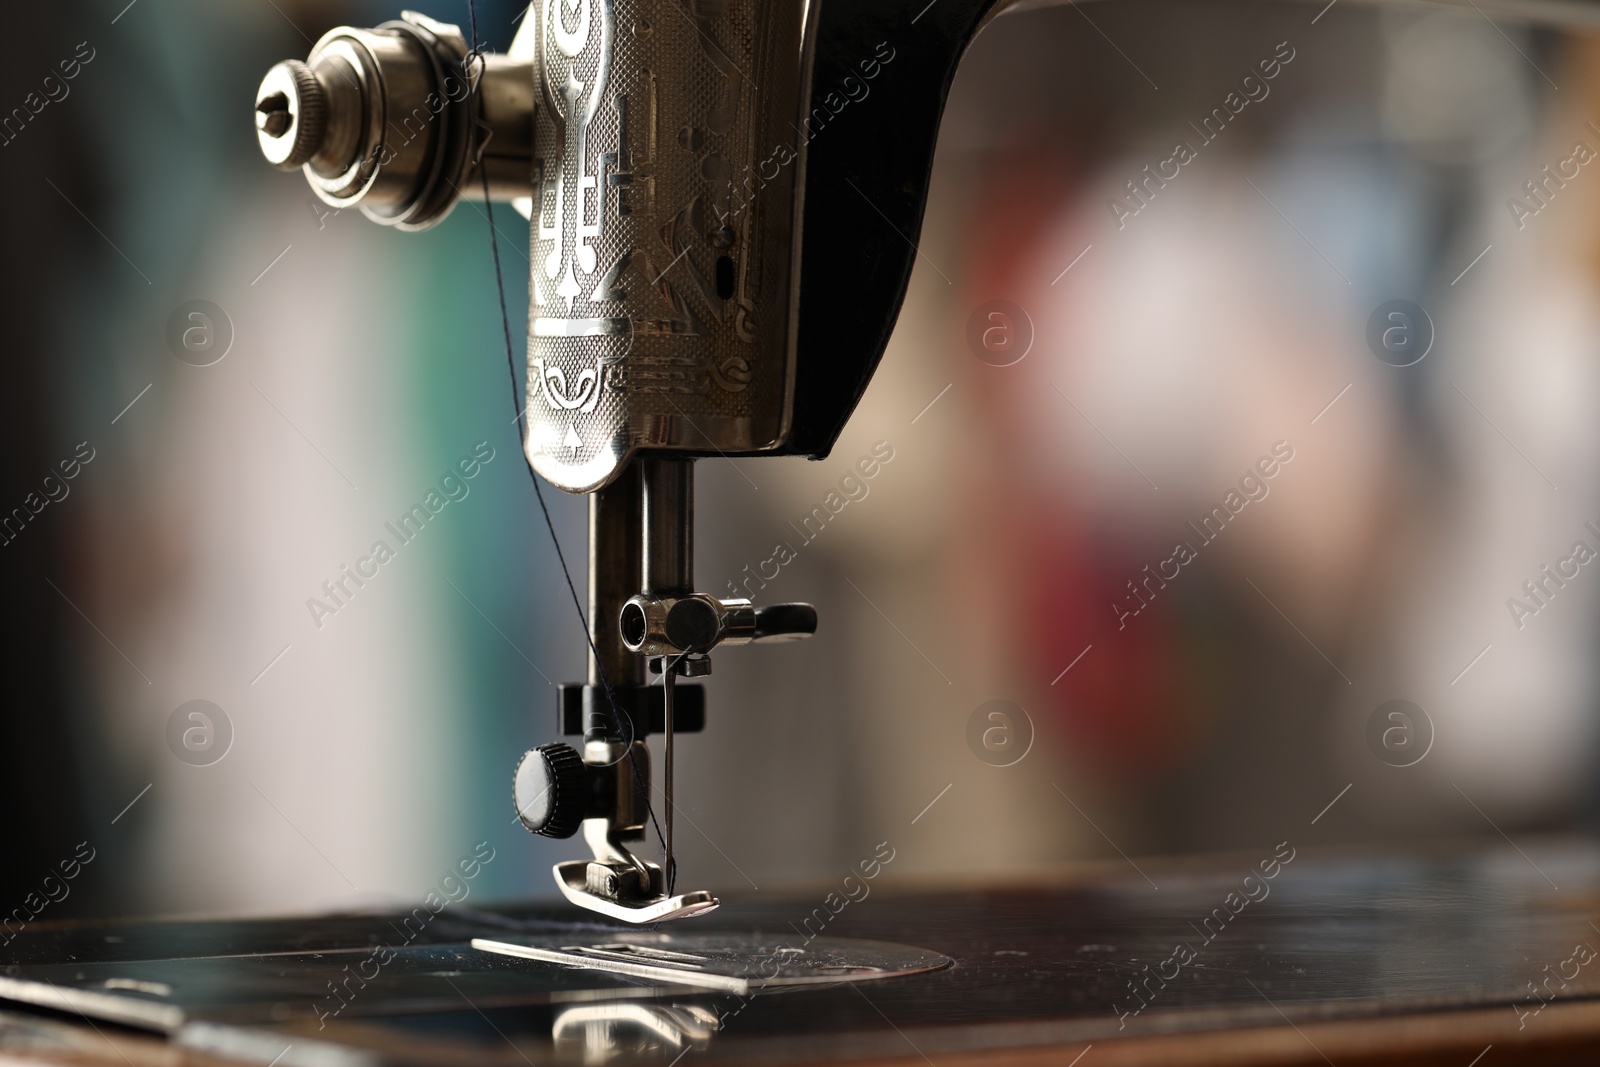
pixel 550 790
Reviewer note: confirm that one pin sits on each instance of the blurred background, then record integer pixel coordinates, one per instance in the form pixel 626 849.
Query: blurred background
pixel 1164 338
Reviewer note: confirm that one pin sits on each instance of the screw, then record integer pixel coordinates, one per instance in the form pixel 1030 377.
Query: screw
pixel 272 115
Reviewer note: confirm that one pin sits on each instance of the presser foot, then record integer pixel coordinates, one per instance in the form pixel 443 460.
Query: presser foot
pixel 615 893
pixel 606 796
pixel 621 885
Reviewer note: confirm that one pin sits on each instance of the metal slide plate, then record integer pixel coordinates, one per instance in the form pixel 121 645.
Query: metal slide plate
pixel 741 964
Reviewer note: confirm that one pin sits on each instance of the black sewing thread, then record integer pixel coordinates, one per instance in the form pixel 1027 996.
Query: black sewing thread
pixel 476 56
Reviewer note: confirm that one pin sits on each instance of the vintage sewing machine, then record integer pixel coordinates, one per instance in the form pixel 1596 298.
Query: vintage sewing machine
pixel 722 227
pixel 718 261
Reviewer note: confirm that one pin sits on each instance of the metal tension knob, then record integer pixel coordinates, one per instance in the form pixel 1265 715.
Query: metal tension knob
pixel 291 115
pixel 400 120
pixel 551 790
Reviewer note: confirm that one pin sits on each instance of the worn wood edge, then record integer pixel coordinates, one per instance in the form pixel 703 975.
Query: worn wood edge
pixel 1560 1034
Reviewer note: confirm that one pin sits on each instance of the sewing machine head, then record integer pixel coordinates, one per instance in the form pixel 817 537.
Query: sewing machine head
pixel 653 150
pixel 719 251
